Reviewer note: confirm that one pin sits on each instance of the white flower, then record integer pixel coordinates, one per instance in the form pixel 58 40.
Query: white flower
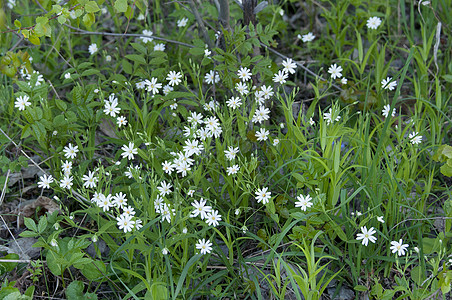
pixel 398 247
pixel 204 246
pixel 344 81
pixel 121 121
pixel 289 66
pixel 192 147
pixel 166 213
pixel 328 117
pixel 92 49
pixel 244 74
pixel 261 114
pixel 140 85
pixel 165 188
pixel 147 38
pixel 267 92
pixel 167 89
pixel 138 224
pixel 165 251
pixel 158 203
pixel 45 181
pixel 66 182
pixel 70 151
pixel 67 167
pixel 373 22
pixel 190 193
pixel 125 222
pixel 120 200
pixel 22 102
pixel 311 122
pixel 308 37
pixel 207 53
pixel 174 78
pixel 89 180
pixel 303 202
pixel 335 71
pixel 153 86
pixel 129 151
pixel 234 102
pixel 182 22
pixel 182 167
pixel 387 84
pixel 280 77
pixel 242 88
pixel 104 202
pixel 233 170
pixel 275 142
pixel 128 210
pixel 159 47
pixel 213 218
pixel 168 167
pixel 184 230
pixel 366 235
pixel 231 152
pixel 108 58
pixel 212 77
pixel 111 106
pixel 262 134
pixel 385 111
pixel 263 196
pixel 67 75
pixel 380 219
pixel 54 243
pixel 200 209
pixel 415 138
pixel 195 118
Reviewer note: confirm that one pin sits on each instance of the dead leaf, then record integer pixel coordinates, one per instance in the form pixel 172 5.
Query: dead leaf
pixel 28 209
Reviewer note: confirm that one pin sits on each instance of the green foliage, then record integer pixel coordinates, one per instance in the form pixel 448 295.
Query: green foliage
pixel 307 161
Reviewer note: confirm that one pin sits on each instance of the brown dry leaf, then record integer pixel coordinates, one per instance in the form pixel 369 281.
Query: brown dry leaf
pixel 28 208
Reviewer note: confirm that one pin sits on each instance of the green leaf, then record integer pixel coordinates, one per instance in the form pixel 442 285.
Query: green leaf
pixel 90 72
pixel 121 5
pixel 42 225
pixel 140 48
pixel 196 51
pixel 42 27
pixel 61 19
pixel 417 276
pixel 447 77
pixel 6 267
pixel 74 291
pixel 28 234
pixel 127 67
pixel 52 263
pixel 17 23
pixel 136 58
pixel 30 224
pixel 94 270
pixel 360 288
pixel 61 105
pixel 89 19
pixel 91 7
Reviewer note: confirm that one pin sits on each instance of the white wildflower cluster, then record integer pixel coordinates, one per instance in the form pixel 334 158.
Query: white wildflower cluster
pixel 126 219
pixel 367 235
pixel 111 108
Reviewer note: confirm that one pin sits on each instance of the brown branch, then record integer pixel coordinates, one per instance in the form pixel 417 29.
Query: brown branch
pixel 81 31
